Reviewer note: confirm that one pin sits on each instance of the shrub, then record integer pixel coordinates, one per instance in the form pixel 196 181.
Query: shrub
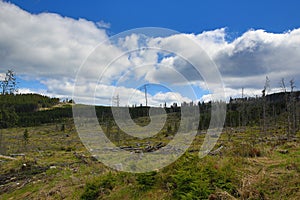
pixel 246 150
pixel 146 180
pixel 98 187
pixel 198 181
pixel 188 185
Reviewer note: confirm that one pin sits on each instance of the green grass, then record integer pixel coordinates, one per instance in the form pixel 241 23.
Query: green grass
pixel 57 166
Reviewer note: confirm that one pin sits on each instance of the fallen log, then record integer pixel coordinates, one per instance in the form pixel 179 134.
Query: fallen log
pixel 18 155
pixel 217 151
pixel 7 157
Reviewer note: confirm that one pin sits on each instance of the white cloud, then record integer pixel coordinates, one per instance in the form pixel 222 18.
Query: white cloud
pixel 103 24
pixel 91 93
pixel 32 91
pixel 45 44
pixel 2 76
pixel 212 41
pixel 51 48
pixel 248 59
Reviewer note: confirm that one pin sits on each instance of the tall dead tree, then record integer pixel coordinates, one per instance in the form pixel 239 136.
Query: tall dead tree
pixel 293 106
pixel 9 84
pixel 283 87
pixel 264 93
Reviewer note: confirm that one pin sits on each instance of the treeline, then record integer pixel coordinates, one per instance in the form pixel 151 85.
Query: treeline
pixel 45 116
pixel 27 102
pixel 279 110
pixel 22 110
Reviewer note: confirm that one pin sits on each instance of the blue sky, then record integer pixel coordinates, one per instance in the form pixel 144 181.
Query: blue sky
pixel 47 41
pixel 192 16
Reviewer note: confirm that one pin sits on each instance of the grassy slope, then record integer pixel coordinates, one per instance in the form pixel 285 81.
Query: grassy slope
pixel 57 166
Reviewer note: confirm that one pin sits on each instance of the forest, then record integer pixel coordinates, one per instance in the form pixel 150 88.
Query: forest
pixel 31 110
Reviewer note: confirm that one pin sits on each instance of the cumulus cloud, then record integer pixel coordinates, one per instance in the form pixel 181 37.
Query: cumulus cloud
pixel 247 60
pixel 103 24
pixel 52 49
pixel 2 76
pixel 45 44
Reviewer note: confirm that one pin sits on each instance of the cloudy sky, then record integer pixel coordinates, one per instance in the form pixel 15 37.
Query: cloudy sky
pixel 55 46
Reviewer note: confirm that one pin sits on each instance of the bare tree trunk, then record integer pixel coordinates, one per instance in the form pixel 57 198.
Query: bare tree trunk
pixel 2 144
pixel 294 117
pixel 293 107
pixel 297 116
pixel 266 87
pixel 287 109
pixel 264 116
pixel 289 124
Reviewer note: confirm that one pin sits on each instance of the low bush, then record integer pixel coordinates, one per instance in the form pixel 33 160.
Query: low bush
pixel 99 187
pixel 197 179
pixel 146 180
